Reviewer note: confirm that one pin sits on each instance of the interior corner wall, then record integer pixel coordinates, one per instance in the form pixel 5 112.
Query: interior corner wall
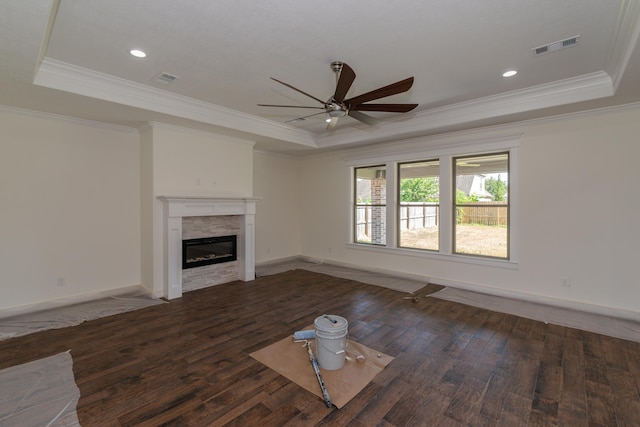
pixel 69 210
pixel 578 210
pixel 183 162
pixel 147 203
pixel 276 183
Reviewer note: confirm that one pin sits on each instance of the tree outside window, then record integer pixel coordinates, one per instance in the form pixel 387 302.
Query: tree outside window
pixel 419 205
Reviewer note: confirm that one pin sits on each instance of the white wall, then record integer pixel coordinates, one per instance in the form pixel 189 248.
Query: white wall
pixel 194 163
pixel 276 182
pixel 72 207
pixel 578 211
pixel 69 208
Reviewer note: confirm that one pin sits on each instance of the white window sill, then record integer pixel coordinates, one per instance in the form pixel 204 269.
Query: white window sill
pixel 465 259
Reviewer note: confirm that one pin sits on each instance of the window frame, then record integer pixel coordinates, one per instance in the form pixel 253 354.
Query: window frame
pixel 355 204
pixel 399 204
pixel 455 205
pixel 417 150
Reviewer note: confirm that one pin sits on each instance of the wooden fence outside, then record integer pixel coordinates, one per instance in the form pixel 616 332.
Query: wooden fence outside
pixel 484 213
pixel 419 215
pixel 422 215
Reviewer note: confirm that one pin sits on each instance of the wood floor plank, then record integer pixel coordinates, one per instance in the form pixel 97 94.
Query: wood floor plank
pixel 516 411
pixel 375 409
pixel 466 401
pixel 600 404
pixel 494 398
pixel 187 362
pixel 404 409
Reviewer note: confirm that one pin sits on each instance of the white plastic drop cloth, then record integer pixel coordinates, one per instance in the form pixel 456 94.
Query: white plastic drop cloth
pixel 627 329
pixel 39 393
pixel 369 277
pixel 74 314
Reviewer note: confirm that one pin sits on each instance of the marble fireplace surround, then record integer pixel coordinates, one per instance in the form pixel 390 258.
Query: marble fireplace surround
pixel 175 208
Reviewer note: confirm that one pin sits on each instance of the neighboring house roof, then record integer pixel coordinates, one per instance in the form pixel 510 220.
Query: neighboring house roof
pixel 473 185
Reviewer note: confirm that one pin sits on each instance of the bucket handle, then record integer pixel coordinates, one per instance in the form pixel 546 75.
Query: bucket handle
pixel 346 344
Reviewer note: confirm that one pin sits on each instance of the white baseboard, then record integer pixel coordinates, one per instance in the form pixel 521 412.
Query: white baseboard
pixel 539 299
pixel 156 294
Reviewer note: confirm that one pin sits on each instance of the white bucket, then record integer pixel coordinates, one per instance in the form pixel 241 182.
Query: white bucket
pixel 331 341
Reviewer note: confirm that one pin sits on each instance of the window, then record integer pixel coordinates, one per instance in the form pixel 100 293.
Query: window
pixel 481 200
pixel 370 218
pixel 419 205
pixel 447 202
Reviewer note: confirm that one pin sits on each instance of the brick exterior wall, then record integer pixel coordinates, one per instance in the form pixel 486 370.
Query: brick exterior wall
pixel 378 214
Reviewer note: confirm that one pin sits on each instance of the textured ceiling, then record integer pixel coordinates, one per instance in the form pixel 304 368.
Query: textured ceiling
pixel 71 57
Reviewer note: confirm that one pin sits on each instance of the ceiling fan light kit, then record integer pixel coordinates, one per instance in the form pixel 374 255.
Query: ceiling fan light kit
pixel 337 106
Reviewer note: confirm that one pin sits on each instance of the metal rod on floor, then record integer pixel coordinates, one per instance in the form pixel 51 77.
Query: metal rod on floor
pixel 316 369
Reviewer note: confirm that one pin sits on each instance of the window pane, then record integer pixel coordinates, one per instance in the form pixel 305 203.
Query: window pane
pixel 419 207
pixel 370 205
pixel 481 225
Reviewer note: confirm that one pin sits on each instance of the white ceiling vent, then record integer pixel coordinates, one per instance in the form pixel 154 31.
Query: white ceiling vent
pixel 165 78
pixel 560 44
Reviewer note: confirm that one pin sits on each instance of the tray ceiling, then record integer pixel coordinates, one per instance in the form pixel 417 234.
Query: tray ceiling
pixel 72 58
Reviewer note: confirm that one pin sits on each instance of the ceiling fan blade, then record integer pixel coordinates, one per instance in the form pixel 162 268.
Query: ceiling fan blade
pixel 303 117
pixel 347 76
pixel 390 108
pixel 298 90
pixel 364 118
pixel 332 123
pixel 289 106
pixel 392 89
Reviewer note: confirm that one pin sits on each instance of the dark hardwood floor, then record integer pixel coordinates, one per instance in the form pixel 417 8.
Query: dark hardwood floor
pixel 187 362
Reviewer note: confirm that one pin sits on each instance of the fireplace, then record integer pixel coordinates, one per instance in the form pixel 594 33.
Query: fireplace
pixel 176 209
pixel 208 250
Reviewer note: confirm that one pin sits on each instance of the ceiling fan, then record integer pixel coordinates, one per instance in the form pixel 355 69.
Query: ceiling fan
pixel 337 106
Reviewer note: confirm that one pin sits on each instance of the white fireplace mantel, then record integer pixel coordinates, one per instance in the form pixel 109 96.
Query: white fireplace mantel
pixel 175 208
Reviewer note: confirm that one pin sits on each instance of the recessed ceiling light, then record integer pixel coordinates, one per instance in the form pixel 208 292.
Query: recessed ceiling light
pixel 509 73
pixel 137 53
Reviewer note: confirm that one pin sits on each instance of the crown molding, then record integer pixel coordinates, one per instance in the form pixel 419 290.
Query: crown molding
pixel 464 139
pixel 624 40
pixel 581 88
pixel 68 119
pixel 70 78
pixel 149 126
pixel 67 77
pixel 458 143
pixel 53 12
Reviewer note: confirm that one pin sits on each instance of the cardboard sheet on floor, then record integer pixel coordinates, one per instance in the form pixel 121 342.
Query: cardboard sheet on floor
pixel 291 360
pixel 39 393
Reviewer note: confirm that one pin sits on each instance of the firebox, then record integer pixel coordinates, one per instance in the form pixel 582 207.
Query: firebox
pixel 208 250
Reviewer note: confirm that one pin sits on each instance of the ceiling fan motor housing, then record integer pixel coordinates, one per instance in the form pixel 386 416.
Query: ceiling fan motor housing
pixel 335 109
pixel 336 66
